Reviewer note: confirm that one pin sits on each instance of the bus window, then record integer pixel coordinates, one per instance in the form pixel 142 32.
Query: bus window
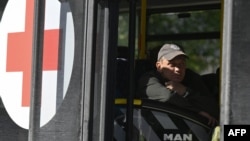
pixel 195 27
pixel 197 31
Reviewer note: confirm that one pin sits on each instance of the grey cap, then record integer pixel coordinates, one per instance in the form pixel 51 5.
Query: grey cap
pixel 170 51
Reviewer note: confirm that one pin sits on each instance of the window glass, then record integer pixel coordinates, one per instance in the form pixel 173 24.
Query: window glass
pixel 188 22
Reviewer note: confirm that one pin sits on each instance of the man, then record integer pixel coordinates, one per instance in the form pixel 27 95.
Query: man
pixel 172 82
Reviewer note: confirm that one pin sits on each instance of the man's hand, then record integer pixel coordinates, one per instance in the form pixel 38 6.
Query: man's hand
pixel 179 88
pixel 211 120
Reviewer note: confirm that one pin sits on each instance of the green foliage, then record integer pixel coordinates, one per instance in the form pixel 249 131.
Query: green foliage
pixel 123 29
pixel 194 22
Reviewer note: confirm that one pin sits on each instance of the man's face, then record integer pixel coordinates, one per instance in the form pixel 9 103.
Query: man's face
pixel 173 70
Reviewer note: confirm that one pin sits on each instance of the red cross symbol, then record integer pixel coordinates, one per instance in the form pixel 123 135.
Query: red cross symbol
pixel 19 51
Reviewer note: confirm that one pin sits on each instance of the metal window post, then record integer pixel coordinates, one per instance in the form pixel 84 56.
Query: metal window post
pixel 37 61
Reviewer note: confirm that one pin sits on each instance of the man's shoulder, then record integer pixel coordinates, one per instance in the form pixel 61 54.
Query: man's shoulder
pixel 145 77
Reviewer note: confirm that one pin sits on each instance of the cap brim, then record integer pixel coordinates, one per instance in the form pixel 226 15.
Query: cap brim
pixel 172 55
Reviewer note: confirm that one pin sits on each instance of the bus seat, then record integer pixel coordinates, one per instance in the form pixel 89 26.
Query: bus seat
pixel 122 78
pixel 122 72
pixel 141 66
pixel 122 52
